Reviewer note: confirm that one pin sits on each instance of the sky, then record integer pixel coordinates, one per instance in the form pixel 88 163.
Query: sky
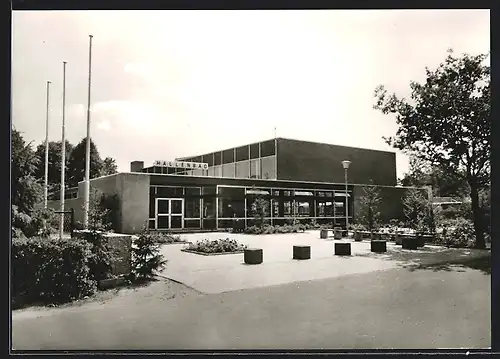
pixel 169 84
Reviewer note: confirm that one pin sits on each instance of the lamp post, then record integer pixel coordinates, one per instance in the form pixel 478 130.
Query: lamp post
pixel 346 164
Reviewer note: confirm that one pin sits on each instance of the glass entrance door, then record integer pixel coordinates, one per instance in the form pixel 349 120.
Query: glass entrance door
pixel 169 213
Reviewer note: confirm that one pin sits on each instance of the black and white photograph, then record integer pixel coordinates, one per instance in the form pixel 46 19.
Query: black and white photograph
pixel 238 180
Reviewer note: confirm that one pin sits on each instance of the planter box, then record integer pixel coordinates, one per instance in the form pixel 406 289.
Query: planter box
pixel 337 233
pixel 378 246
pixel 301 252
pixel 323 234
pixel 409 243
pixel 210 254
pixel 357 236
pixel 398 239
pixel 253 256
pixel 342 249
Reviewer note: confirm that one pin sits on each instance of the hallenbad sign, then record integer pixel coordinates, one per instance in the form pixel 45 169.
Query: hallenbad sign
pixel 181 164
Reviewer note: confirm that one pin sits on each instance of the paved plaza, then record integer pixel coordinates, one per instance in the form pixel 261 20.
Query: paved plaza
pixel 222 273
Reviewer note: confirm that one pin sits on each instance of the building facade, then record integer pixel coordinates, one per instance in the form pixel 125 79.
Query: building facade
pixel 295 180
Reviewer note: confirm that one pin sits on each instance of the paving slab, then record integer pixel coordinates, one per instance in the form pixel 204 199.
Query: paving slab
pixel 222 273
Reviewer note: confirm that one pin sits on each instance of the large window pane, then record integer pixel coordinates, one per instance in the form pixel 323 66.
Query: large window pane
pixel 267 148
pixel 232 192
pixel 254 169
pixel 218 171
pixel 210 171
pixel 192 208
pixel 228 156
pixel 169 192
pixel 254 209
pixel 228 170
pixel 198 172
pixel 209 207
pixel 242 153
pixel 305 208
pixel 231 208
pixel 324 208
pixel 209 159
pixel 268 167
pixel 217 158
pixel 192 191
pixel 243 169
pixel 254 151
pixel 287 208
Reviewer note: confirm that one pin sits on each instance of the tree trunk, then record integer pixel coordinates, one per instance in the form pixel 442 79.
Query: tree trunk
pixel 476 216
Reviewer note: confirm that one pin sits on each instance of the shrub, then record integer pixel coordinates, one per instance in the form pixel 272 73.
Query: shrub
pixel 268 229
pixel 216 246
pixel 458 233
pixel 166 238
pixel 146 256
pixel 50 270
pixel 101 256
pixel 369 202
pixel 357 227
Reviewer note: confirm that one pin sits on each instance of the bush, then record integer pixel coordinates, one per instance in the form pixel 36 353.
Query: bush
pixel 101 256
pixel 41 223
pixel 146 256
pixel 357 227
pixel 166 238
pixel 216 246
pixel 50 271
pixel 267 229
pixel 458 233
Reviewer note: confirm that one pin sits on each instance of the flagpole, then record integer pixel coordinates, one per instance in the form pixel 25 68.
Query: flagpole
pixel 63 153
pixel 46 184
pixel 87 152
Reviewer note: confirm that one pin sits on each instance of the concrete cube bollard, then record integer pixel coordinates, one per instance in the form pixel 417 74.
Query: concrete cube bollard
pixel 301 252
pixel 357 236
pixel 253 255
pixel 337 233
pixel 378 246
pixel 409 243
pixel 323 234
pixel 342 249
pixel 397 239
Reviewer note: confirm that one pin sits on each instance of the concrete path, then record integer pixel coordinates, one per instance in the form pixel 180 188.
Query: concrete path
pixel 396 308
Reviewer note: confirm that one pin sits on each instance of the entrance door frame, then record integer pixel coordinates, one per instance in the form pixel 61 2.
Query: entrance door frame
pixel 169 214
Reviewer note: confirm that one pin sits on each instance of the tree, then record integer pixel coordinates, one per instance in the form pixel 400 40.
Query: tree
pixel 76 165
pixel 109 167
pixel 444 184
pixel 26 191
pixel 55 154
pixel 418 211
pixel 369 202
pixel 447 123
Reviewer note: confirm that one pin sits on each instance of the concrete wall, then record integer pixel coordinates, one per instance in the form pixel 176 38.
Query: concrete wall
pixel 73 203
pixel 309 161
pixel 134 201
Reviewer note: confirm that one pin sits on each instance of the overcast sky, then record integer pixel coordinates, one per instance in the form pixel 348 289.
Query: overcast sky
pixel 169 84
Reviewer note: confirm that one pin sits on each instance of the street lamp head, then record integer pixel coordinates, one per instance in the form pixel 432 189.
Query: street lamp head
pixel 346 164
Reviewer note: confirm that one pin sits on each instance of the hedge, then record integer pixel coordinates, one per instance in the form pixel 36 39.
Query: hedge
pixel 50 270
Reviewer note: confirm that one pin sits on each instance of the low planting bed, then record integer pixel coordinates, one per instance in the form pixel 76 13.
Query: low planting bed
pixel 215 247
pixel 168 238
pixel 268 229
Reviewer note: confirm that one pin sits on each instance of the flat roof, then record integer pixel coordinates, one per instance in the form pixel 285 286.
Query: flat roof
pixel 286 139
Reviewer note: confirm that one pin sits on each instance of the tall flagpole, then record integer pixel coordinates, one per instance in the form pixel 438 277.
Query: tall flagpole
pixel 46 184
pixel 63 154
pixel 87 153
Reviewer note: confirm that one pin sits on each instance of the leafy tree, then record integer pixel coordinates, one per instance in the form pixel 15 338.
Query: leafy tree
pixel 26 191
pixel 109 167
pixel 444 184
pixel 369 215
pixel 76 165
pixel 55 153
pixel 447 123
pixel 418 211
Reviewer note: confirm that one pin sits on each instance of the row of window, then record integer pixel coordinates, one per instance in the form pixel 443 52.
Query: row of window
pixel 243 153
pixel 232 200
pixel 260 168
